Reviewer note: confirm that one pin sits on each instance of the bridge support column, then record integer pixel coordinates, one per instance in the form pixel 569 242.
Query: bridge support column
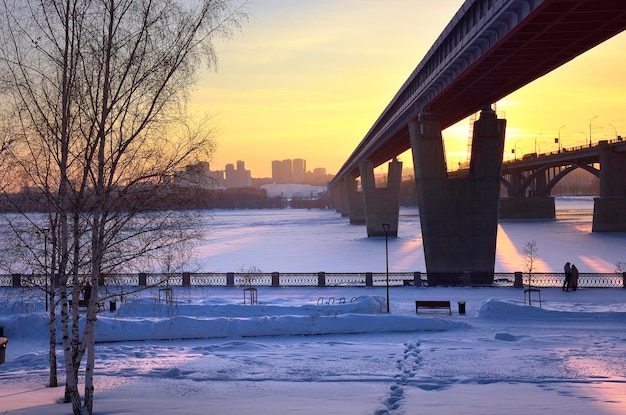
pixel 522 203
pixel 382 205
pixel 334 196
pixel 341 199
pixel 609 210
pixel 535 207
pixel 459 216
pixel 356 208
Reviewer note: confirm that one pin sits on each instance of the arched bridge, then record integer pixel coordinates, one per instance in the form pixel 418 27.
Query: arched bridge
pixel 489 49
pixel 529 181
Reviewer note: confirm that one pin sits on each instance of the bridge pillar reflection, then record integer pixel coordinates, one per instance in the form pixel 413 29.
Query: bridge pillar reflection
pixel 356 208
pixel 382 204
pixel 459 215
pixel 609 210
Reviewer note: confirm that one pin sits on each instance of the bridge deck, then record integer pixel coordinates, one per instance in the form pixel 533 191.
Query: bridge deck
pixel 489 49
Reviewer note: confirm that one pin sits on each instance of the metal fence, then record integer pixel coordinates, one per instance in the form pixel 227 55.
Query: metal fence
pixel 548 280
pixel 319 279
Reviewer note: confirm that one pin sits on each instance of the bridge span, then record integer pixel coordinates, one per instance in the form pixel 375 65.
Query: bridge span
pixel 489 49
pixel 529 182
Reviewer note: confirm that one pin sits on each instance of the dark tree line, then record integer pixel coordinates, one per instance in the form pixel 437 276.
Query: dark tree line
pixel 153 198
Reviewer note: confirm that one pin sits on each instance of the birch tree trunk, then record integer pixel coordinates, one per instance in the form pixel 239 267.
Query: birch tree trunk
pixel 52 328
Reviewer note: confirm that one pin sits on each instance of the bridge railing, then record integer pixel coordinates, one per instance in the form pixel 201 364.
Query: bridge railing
pixel 318 279
pixel 562 151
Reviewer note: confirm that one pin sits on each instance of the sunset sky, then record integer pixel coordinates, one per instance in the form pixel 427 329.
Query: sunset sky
pixel 307 79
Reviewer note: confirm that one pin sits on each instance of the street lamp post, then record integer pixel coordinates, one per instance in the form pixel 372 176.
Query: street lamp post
pixel 592 118
pixel 585 134
pixel 559 137
pixel 386 227
pixel 536 142
pixel 515 147
pixel 614 128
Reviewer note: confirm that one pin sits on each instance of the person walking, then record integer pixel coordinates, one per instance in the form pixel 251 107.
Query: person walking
pixel 568 276
pixel 574 278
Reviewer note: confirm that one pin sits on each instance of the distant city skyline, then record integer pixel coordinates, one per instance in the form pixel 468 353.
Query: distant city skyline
pixel 236 175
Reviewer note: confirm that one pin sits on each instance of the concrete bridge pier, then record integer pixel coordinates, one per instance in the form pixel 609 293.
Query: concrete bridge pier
pixel 356 208
pixel 382 205
pixel 532 207
pixel 609 210
pixel 340 197
pixel 524 203
pixel 333 196
pixel 459 215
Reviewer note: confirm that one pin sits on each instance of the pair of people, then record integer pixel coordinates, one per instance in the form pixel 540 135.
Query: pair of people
pixel 571 277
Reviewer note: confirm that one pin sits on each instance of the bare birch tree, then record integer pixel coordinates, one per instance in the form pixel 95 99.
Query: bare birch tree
pixel 99 88
pixel 530 252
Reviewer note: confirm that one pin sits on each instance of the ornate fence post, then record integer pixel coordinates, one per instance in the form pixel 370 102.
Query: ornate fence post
pixel 143 279
pixel 519 282
pixel 186 279
pixel 275 279
pixel 17 280
pixel 230 279
pixel 321 279
pixel 417 279
pixel 369 279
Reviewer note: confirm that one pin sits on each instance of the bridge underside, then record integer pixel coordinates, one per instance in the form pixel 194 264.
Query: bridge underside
pixel 554 33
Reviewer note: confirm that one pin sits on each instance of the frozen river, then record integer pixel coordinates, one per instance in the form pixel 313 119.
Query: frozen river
pixel 300 240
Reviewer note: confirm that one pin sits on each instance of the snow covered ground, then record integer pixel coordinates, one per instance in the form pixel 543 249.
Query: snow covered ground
pixel 207 353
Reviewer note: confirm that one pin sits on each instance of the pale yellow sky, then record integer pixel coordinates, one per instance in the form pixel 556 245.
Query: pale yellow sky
pixel 307 79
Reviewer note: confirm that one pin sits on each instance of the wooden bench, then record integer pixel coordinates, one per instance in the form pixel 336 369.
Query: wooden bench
pixel 434 304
